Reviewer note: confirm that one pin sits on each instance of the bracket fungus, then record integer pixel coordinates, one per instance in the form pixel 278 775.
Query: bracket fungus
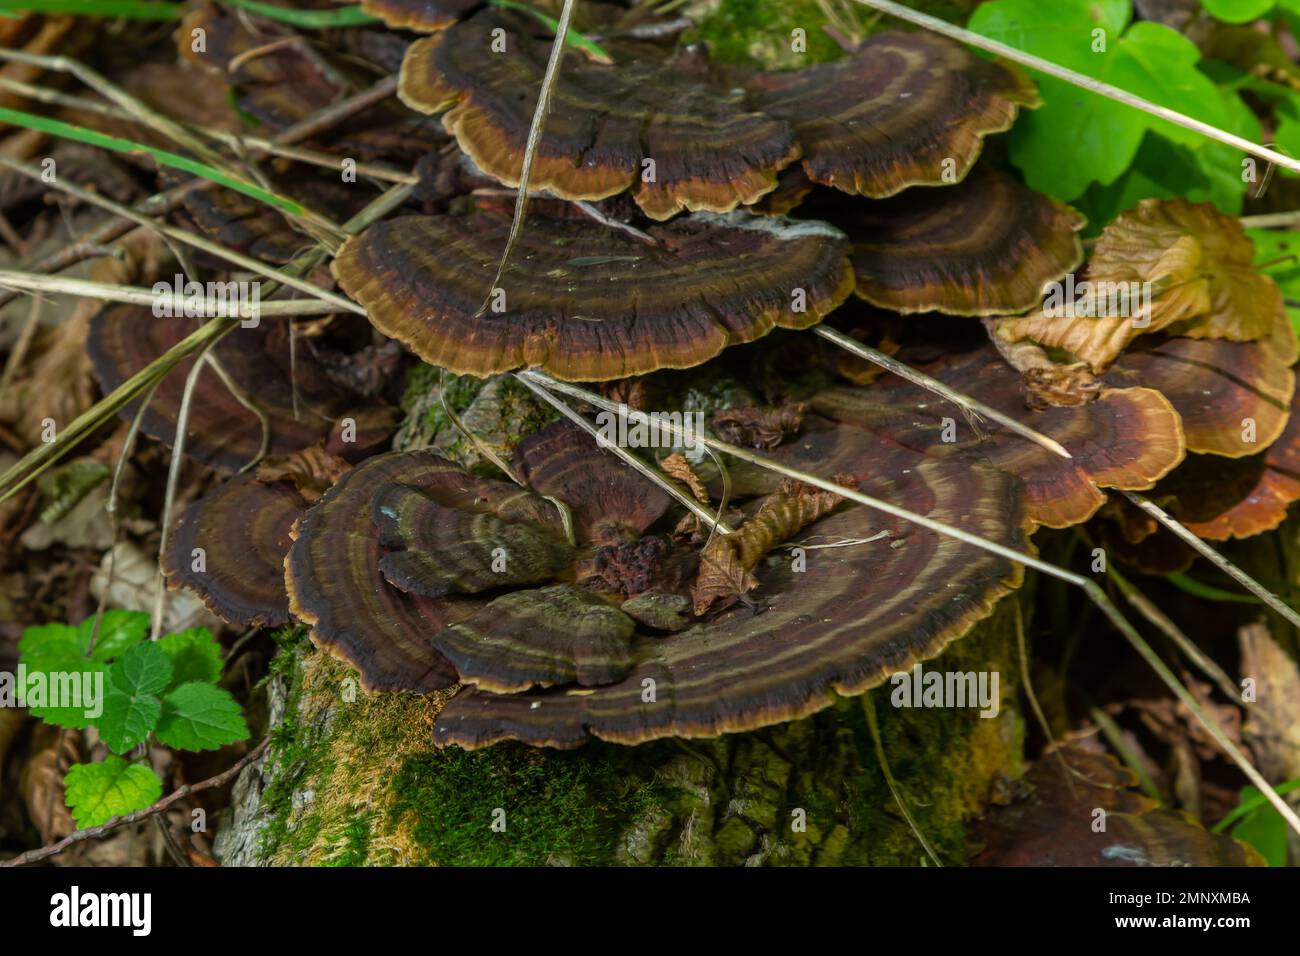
pixel 608 505
pixel 904 109
pixel 1234 398
pixel 422 16
pixel 984 247
pixel 607 129
pixel 336 570
pixel 222 430
pixel 1128 438
pixel 1218 499
pixel 228 548
pixel 566 645
pixel 837 627
pixel 585 302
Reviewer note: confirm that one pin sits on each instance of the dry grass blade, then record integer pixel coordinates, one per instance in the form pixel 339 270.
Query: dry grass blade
pixel 934 385
pixel 534 137
pixel 178 302
pixel 1218 560
pixel 188 238
pixel 869 710
pixel 713 522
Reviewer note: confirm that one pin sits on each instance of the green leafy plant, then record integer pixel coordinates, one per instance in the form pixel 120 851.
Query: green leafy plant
pixel 1255 821
pixel 164 690
pixel 1082 147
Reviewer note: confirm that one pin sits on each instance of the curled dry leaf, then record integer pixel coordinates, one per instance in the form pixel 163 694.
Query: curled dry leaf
pixel 312 470
pixel 678 468
pixel 728 560
pixel 1272 727
pixel 1054 824
pixel 762 428
pixel 53 751
pixel 1167 264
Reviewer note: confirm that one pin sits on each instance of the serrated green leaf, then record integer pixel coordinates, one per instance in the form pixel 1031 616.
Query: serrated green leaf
pixel 63 688
pixel 118 630
pixel 195 656
pixel 143 669
pixel 58 639
pixel 97 792
pixel 127 719
pixel 198 716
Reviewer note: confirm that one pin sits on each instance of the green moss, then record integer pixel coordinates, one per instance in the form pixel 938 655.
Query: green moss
pixel 750 32
pixel 742 31
pixel 548 808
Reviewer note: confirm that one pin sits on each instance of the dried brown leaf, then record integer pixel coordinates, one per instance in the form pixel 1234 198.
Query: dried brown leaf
pixel 1202 285
pixel 727 560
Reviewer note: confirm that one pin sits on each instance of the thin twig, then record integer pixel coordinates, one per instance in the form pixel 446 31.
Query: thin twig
pixel 103 829
pixel 852 345
pixel 1079 80
pixel 25 339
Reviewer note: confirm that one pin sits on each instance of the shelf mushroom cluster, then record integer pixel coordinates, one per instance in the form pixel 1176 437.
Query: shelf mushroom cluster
pixel 572 608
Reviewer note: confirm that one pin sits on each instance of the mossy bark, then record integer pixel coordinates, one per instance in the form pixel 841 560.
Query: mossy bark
pixel 354 779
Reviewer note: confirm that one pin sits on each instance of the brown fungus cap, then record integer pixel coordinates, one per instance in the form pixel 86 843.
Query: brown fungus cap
pixel 983 247
pixel 228 548
pixel 223 432
pixel 589 303
pixel 1127 439
pixel 553 635
pixel 606 124
pixel 1218 499
pixel 422 16
pixel 904 109
pixel 336 585
pixel 608 501
pixel 838 628
pixel 1234 397
pixel 437 550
